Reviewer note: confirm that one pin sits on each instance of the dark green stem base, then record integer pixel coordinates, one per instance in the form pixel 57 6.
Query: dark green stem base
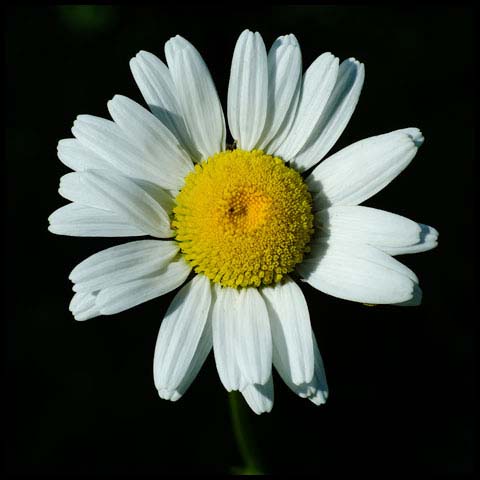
pixel 244 436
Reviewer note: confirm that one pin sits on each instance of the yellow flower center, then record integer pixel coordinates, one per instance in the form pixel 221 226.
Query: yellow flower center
pixel 243 218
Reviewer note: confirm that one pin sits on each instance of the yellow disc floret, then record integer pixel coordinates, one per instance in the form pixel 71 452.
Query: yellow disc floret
pixel 243 218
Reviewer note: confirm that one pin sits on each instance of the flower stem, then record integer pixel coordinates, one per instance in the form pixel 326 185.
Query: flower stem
pixel 242 430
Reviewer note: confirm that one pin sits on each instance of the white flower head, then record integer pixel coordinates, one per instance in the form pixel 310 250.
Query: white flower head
pixel 243 221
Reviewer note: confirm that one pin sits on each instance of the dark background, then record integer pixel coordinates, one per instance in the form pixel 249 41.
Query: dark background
pixel 81 397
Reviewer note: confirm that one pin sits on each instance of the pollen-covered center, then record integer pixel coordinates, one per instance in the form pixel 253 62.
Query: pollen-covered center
pixel 243 218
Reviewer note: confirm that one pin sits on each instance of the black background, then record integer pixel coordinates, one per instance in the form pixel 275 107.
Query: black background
pixel 81 397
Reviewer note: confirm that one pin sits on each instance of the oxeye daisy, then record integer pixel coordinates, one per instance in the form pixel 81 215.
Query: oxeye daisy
pixel 241 223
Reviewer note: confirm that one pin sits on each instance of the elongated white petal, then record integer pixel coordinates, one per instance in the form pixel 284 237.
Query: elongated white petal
pixel 78 220
pixel 284 85
pixel 118 298
pixel 357 272
pixel 253 342
pixel 225 312
pixel 80 301
pixel 197 96
pixel 118 194
pixel 362 169
pixel 335 116
pixel 158 145
pixel 180 333
pixel 106 139
pixel 163 197
pixel 248 90
pixel 415 300
pixel 291 330
pixel 318 83
pixel 199 357
pixel 259 397
pixel 316 390
pixel 388 232
pixel 92 312
pixel 428 239
pixel 121 264
pixel 78 157
pixel 172 395
pixel 155 82
pixel 83 306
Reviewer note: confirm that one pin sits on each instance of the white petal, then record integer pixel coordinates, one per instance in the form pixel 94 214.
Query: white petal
pixel 335 116
pixel 318 83
pixel 78 157
pixel 87 314
pixel 197 96
pixel 108 141
pixel 225 311
pixel 248 90
pixel 199 357
pixel 155 82
pixel 428 240
pixel 158 145
pixel 118 194
pixel 163 197
pixel 388 232
pixel 284 85
pixel 180 333
pixel 83 306
pixel 362 169
pixel 291 330
pixel 127 295
pixel 357 272
pixel 80 301
pixel 316 390
pixel 259 397
pixel 172 395
pixel 415 300
pixel 122 263
pixel 82 221
pixel 253 342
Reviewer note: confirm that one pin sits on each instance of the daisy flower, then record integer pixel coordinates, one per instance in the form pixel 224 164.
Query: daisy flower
pixel 239 224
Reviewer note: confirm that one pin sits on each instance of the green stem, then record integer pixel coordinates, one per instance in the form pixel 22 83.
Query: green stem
pixel 244 436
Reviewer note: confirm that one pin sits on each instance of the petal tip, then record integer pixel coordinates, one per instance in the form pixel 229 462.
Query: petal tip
pixel 415 299
pixel 415 135
pixel 319 398
pixel 166 394
pixel 292 39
